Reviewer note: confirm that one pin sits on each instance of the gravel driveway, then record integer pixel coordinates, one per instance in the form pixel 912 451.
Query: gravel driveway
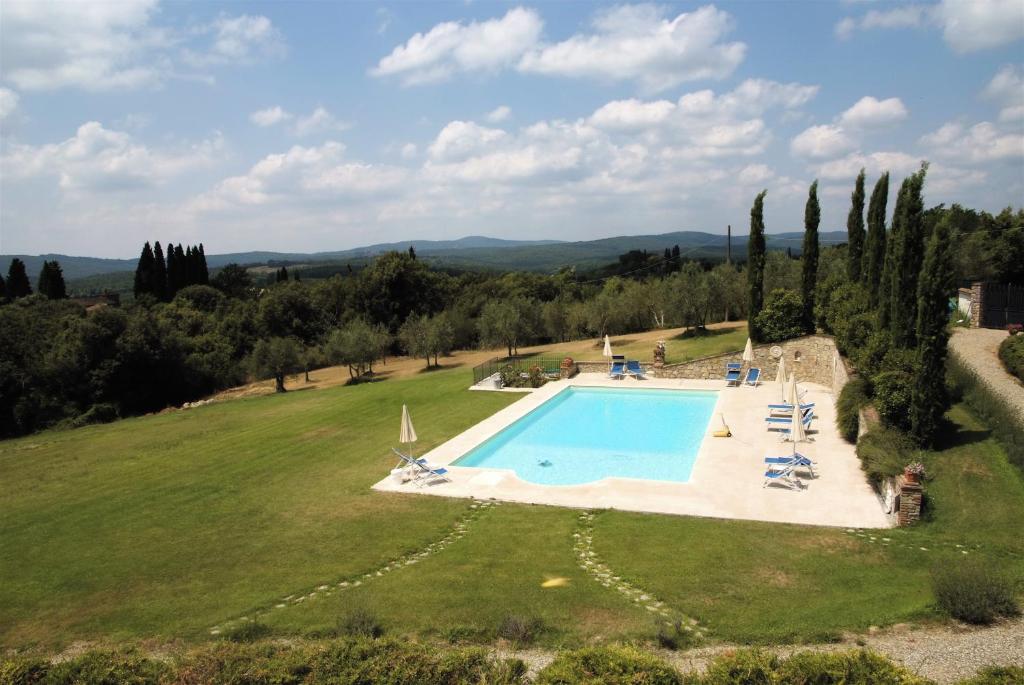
pixel 978 348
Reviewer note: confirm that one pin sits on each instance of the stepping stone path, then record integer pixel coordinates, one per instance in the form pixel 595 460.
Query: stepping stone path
pixel 457 532
pixel 870 538
pixel 583 545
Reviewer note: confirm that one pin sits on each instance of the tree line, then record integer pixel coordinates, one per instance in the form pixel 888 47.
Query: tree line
pixel 162 278
pixel 50 283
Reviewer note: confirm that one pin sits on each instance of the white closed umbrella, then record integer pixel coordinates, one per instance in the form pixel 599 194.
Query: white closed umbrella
pixel 796 428
pixel 748 351
pixel 407 435
pixel 607 350
pixel 780 377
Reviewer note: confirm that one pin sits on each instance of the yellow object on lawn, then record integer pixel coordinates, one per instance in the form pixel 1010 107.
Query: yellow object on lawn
pixel 555 582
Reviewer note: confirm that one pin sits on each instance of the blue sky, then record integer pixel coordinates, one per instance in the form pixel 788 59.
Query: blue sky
pixel 318 126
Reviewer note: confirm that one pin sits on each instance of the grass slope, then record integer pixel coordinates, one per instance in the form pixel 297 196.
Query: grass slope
pixel 163 526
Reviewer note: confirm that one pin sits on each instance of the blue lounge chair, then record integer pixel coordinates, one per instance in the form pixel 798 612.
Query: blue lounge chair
pixel 787 409
pixel 795 460
pixel 806 412
pixel 753 377
pixel 634 369
pixel 782 423
pixel 618 369
pixel 421 470
pixel 782 476
pixel 732 373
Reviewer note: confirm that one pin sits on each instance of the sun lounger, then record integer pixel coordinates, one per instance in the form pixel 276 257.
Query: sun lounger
pixel 634 369
pixel 732 373
pixel 787 409
pixel 618 369
pixel 782 476
pixel 753 377
pixel 422 472
pixel 796 461
pixel 807 414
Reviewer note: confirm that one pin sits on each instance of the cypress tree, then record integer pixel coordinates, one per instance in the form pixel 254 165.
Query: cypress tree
pixel 755 265
pixel 51 281
pixel 282 275
pixel 855 230
pixel 172 272
pixel 907 255
pixel 928 397
pixel 190 267
pixel 874 246
pixel 144 272
pixel 159 272
pixel 204 272
pixel 809 266
pixel 180 277
pixel 3 289
pixel 17 280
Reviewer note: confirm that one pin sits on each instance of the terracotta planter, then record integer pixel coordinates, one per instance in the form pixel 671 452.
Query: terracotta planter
pixel 910 477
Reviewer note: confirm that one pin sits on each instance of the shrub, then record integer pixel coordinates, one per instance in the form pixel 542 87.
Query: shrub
pixel 201 297
pixel 109 668
pixel 1004 420
pixel 1011 351
pixel 673 635
pixel 852 397
pixel 997 675
pixel 869 356
pixel 104 412
pixel 849 668
pixel 17 670
pixel 520 630
pixel 249 631
pixel 746 667
pixel 608 666
pixel 781 318
pixel 883 452
pixel 360 623
pixel 892 398
pixel 972 592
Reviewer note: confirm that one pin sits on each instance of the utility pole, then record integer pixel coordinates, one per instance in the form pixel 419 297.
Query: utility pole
pixel 728 244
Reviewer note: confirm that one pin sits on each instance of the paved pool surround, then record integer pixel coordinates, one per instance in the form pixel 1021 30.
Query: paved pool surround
pixel 726 481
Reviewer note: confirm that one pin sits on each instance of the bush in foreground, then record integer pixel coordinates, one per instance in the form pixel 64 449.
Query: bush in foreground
pixel 609 666
pixel 997 675
pixel 883 452
pixel 1011 351
pixel 852 397
pixel 973 593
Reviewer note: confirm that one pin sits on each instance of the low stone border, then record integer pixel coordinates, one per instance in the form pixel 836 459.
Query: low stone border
pixel 457 532
pixel 872 536
pixel 592 565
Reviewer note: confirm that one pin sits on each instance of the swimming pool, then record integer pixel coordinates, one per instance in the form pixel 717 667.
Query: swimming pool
pixel 585 434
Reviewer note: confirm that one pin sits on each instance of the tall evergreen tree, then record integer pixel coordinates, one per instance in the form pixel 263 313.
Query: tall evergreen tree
pixel 159 272
pixel 855 231
pixel 172 272
pixel 809 265
pixel 755 265
pixel 51 281
pixel 144 273
pixel 907 255
pixel 874 246
pixel 181 277
pixel 190 267
pixel 17 280
pixel 928 397
pixel 204 271
pixel 3 289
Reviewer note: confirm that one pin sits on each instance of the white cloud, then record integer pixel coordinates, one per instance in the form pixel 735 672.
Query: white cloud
pixel 981 143
pixel 846 168
pixel 967 25
pixel 453 47
pixel 8 102
pixel 821 141
pixel 318 121
pixel 499 114
pixel 99 159
pixel 870 112
pixel 269 116
pixel 49 44
pixel 409 151
pixel 631 114
pixel 639 42
pixel 462 139
pixel 755 174
pixel 1007 89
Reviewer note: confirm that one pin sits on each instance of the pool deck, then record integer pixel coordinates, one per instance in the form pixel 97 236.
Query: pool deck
pixel 727 478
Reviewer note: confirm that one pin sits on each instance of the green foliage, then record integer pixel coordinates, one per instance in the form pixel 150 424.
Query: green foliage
pixel 275 357
pixel 860 667
pixel 202 298
pixel 250 631
pixel 233 280
pixel 520 630
pixel 608 666
pixel 674 635
pixel 108 668
pixel 427 337
pixel 507 323
pixel 360 622
pixel 744 667
pixel 929 399
pixel 809 256
pixel 997 675
pixel 782 317
pixel 852 398
pixel 907 256
pixel 892 392
pixel 357 345
pixel 970 591
pixel 883 452
pixel 1003 418
pixel 755 266
pixel 855 231
pixel 144 283
pixel 875 243
pixel 1011 351
pixel 51 281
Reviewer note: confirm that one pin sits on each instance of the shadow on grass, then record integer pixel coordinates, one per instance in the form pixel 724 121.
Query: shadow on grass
pixel 438 367
pixel 951 436
pixel 702 333
pixel 367 378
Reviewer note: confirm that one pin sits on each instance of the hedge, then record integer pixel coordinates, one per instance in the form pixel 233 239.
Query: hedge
pixel 852 398
pixel 1005 422
pixel 1011 351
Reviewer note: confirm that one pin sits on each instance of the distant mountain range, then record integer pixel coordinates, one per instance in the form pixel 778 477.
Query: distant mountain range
pixel 471 252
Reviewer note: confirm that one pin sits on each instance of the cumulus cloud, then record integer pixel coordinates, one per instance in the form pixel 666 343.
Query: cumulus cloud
pixel 318 121
pixel 99 159
pixel 1007 90
pixel 641 43
pixel 821 141
pixel 981 143
pixel 870 112
pixel 8 102
pixel 462 139
pixel 967 25
pixel 50 44
pixel 269 116
pixel 452 47
pixel 874 164
pixel 499 114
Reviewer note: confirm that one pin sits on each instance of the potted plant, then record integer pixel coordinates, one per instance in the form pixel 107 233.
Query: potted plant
pixel 914 472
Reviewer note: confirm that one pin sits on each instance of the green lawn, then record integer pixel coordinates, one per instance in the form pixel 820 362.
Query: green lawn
pixel 163 526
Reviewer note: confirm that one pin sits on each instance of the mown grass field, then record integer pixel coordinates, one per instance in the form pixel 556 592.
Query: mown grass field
pixel 163 526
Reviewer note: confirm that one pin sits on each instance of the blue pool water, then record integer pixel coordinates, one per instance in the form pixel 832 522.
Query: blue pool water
pixel 585 434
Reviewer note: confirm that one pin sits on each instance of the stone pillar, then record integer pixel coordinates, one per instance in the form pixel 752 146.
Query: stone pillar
pixel 659 354
pixel 568 368
pixel 977 302
pixel 911 494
